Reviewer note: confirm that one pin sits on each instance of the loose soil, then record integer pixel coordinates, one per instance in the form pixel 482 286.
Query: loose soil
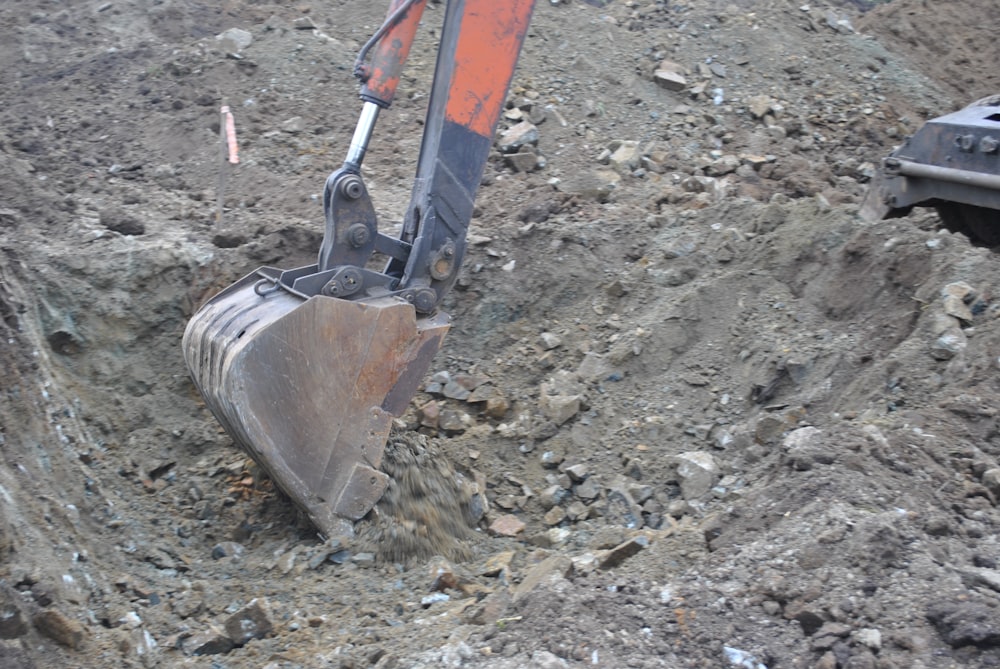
pixel 733 425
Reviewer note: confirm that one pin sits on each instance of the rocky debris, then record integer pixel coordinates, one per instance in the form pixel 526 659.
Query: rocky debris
pixel 56 626
pixel 668 75
pixel 234 40
pixel 210 641
pixel 507 525
pixel 965 623
pixel 253 621
pixel 617 555
pixel 545 573
pixel 697 472
pixel 517 136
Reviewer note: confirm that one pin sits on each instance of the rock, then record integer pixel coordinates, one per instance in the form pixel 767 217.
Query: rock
pixel 621 508
pixel 558 408
pixel 489 610
pixel 294 125
pixel 949 344
pixel 304 23
pixel 454 421
pixel 497 407
pixel 552 496
pixel 550 340
pixel 577 511
pixel 117 220
pixel 828 661
pixel 869 637
pixel 698 473
pixel 670 80
pixel 429 414
pixel 234 40
pixel 56 626
pixel 803 448
pixel 549 570
pixel 991 480
pixel 596 186
pixel 965 623
pixel 522 134
pixel 956 308
pixel 622 552
pixel 253 621
pixel 588 490
pixel 507 525
pixel 210 641
pixel 543 659
pixel 724 165
pixel 497 563
pixel 229 549
pixel 525 160
pixel 626 157
pixel 759 105
pixel 12 622
pixel 555 515
pixel 577 472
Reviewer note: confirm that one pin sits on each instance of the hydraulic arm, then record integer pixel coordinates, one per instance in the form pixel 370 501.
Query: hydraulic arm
pixel 306 367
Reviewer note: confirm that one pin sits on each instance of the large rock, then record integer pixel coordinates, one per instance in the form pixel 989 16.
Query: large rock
pixel 698 473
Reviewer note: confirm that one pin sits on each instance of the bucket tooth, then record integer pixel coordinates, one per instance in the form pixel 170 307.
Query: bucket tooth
pixel 309 387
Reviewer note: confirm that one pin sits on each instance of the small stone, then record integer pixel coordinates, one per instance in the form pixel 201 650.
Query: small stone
pixel 550 340
pixel 869 637
pixel 429 414
pixel 497 563
pixel 12 623
pixel 59 628
pixel 235 39
pixel 253 621
pixel 956 307
pixel 577 511
pixel 304 23
pixel 294 125
pixel 117 220
pixel 965 623
pixel 552 496
pixel 698 473
pixel 507 525
pixel 522 134
pixel 626 157
pixel 555 515
pixel 991 480
pixel 759 105
pixel 588 490
pixel 454 421
pixel 623 551
pixel 229 549
pixel 525 160
pixel 828 661
pixel 724 165
pixel 210 641
pixel 949 344
pixel 547 571
pixel 497 406
pixel 559 408
pixel 670 80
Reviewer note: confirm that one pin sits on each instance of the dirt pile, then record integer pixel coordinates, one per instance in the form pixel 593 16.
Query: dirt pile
pixel 717 419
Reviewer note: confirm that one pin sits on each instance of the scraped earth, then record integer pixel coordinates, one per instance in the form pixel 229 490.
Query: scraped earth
pixel 693 412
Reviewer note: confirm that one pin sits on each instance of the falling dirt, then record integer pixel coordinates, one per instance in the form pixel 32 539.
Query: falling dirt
pixel 708 417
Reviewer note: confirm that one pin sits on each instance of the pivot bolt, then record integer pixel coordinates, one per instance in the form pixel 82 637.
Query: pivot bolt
pixel 358 235
pixel 351 187
pixel 989 144
pixel 965 143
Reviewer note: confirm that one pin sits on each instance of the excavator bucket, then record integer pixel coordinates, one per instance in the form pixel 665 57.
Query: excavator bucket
pixel 309 387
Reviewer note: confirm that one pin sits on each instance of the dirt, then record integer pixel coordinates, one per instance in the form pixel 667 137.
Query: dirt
pixel 732 424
